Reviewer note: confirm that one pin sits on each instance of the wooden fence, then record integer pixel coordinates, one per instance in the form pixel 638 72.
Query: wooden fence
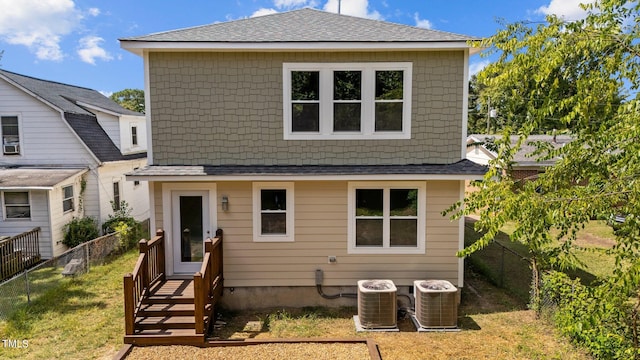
pixel 19 252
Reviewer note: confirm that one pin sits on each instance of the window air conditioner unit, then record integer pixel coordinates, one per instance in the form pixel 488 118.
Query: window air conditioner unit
pixel 11 149
pixel 436 304
pixel 377 307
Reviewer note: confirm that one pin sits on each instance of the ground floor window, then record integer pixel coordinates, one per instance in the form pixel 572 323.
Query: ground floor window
pixel 273 211
pixel 387 217
pixel 16 205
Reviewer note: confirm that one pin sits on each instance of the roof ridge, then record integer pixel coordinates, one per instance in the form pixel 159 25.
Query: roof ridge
pixel 48 81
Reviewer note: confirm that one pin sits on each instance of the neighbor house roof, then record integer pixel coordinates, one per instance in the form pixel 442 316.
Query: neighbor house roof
pixel 461 169
pixel 525 155
pixel 302 26
pixel 32 178
pixel 84 123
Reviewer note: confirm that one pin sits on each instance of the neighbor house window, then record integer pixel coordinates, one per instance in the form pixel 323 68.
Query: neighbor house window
pixel 67 198
pixel 16 205
pixel 10 135
pixel 134 135
pixel 116 195
pixel 347 101
pixel 387 218
pixel 273 211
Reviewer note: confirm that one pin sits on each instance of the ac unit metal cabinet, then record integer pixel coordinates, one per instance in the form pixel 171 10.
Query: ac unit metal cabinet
pixel 436 304
pixel 377 307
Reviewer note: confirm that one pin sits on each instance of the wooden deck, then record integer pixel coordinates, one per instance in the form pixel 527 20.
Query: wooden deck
pixel 160 311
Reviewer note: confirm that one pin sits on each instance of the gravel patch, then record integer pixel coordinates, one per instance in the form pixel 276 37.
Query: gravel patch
pixel 302 351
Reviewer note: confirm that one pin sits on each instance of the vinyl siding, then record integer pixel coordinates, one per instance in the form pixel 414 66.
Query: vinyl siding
pixel 137 196
pixel 227 108
pixel 59 218
pixel 321 231
pixel 45 138
pixel 38 199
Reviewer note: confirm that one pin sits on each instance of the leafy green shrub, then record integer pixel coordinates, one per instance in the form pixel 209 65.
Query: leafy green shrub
pixel 598 318
pixel 80 230
pixel 128 229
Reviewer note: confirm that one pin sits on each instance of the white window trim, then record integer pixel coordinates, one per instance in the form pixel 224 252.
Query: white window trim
pixel 4 208
pixel 386 249
pixel 367 130
pixel 20 135
pixel 72 198
pixel 257 219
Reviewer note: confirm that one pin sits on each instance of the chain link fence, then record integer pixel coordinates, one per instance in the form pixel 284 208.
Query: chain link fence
pixel 34 282
pixel 503 266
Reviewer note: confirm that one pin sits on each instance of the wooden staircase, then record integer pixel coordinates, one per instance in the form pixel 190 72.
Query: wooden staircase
pixel 175 311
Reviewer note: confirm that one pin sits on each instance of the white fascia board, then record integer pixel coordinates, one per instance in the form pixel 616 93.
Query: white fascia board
pixel 138 47
pixel 290 177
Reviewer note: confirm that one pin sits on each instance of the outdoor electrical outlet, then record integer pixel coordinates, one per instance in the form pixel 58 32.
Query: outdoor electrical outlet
pixel 332 259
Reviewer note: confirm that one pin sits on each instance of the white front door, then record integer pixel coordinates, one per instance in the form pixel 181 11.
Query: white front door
pixel 190 210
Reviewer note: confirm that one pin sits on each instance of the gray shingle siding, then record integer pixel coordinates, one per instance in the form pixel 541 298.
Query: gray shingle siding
pixel 227 109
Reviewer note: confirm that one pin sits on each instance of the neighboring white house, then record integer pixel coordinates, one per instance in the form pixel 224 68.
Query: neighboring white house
pixel 65 150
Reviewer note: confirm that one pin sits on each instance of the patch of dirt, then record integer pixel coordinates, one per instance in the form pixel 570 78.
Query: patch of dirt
pixel 588 240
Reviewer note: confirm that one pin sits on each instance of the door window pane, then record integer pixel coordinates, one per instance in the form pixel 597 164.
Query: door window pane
pixel 191 228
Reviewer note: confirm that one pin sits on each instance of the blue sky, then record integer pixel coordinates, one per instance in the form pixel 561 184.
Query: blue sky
pixel 76 41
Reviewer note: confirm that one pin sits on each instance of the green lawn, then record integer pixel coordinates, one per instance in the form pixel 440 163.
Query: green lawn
pixel 81 318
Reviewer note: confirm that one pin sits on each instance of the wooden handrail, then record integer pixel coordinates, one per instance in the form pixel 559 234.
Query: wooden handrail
pixel 148 270
pixel 207 283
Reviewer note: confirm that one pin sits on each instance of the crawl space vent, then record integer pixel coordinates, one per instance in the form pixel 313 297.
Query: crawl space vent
pixel 377 307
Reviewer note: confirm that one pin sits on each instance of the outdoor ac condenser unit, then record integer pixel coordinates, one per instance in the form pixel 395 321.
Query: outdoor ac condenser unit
pixel 436 304
pixel 377 307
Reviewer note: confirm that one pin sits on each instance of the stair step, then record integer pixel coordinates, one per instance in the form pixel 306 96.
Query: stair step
pixel 164 309
pixel 167 299
pixel 165 322
pixel 165 337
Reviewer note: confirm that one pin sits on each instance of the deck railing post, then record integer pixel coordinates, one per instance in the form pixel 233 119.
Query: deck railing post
pixel 198 303
pixel 161 265
pixel 129 317
pixel 144 249
pixel 219 258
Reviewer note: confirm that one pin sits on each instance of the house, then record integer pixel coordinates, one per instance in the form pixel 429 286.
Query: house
pixel 526 165
pixel 64 153
pixel 315 141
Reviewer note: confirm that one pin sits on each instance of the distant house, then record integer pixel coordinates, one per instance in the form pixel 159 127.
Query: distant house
pixel 316 141
pixel 526 164
pixel 64 153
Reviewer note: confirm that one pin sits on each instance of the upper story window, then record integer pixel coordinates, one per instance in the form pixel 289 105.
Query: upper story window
pixel 347 101
pixel 67 198
pixel 10 135
pixel 16 205
pixel 134 135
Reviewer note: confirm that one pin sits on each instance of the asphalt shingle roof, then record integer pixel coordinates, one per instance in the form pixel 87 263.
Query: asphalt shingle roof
pixel 25 177
pixel 82 121
pixel 304 25
pixel 524 155
pixel 462 167
pixel 65 96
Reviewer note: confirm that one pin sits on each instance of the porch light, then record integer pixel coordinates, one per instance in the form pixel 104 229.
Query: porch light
pixel 225 203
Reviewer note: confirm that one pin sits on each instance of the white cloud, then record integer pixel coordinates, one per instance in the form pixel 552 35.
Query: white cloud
pixel 567 9
pixel 422 23
pixel 38 24
pixel 90 50
pixel 263 11
pixel 476 67
pixel 359 8
pixel 290 4
pixel 94 11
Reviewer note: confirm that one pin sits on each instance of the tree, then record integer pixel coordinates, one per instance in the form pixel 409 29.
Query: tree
pixel 583 75
pixel 132 99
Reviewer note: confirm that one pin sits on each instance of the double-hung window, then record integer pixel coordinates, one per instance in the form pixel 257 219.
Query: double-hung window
pixel 347 101
pixel 16 205
pixel 67 198
pixel 9 130
pixel 387 218
pixel 273 211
